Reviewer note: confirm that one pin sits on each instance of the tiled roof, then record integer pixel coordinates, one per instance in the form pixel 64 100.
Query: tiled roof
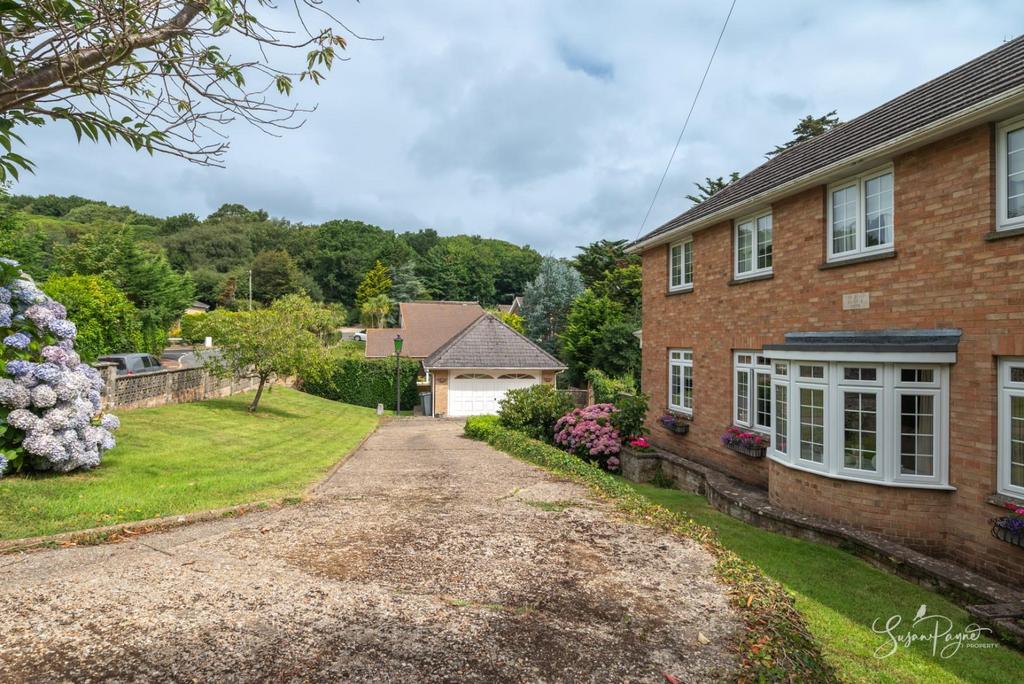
pixel 489 343
pixel 982 78
pixel 425 326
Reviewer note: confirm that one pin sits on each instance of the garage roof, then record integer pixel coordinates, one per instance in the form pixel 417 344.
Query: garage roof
pixel 489 343
pixel 424 326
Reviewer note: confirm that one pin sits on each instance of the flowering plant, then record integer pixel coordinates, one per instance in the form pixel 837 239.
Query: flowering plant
pixel 640 443
pixel 736 437
pixel 49 400
pixel 589 433
pixel 1014 522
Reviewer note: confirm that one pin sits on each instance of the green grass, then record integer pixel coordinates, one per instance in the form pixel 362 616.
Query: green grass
pixel 840 596
pixel 190 457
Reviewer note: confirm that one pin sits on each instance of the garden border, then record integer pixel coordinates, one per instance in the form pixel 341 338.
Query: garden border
pixel 986 600
pixel 113 534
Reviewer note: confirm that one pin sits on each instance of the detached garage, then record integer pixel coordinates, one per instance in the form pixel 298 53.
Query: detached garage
pixel 471 372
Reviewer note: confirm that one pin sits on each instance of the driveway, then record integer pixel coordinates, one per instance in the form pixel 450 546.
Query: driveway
pixel 427 557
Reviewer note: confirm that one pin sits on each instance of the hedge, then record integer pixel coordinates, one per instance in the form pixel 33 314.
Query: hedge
pixel 361 381
pixel 777 646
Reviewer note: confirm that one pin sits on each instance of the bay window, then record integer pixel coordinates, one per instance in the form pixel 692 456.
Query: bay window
pixel 1011 427
pixel 1010 174
pixel 753 249
pixel 877 422
pixel 680 381
pixel 680 266
pixel 860 215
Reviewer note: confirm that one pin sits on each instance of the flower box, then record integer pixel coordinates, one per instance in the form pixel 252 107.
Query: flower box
pixel 1009 536
pixel 675 424
pixel 749 452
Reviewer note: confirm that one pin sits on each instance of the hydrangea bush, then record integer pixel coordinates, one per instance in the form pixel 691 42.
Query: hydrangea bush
pixel 50 403
pixel 590 433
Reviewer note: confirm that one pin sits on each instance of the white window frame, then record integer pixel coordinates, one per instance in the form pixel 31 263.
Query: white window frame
pixel 1007 390
pixel 684 284
pixel 683 360
pixel 861 248
pixel 780 381
pixel 754 271
pixel 1003 222
pixel 756 365
pixel 888 389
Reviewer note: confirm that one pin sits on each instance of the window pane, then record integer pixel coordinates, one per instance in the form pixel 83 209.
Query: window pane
pixel 844 220
pixel 1017 441
pixel 688 263
pixel 743 396
pixel 688 387
pixel 764 400
pixel 860 443
pixel 745 247
pixel 781 418
pixel 917 375
pixel 781 369
pixel 861 374
pixel 812 372
pixel 1015 173
pixel 674 385
pixel 1017 374
pixel 764 241
pixel 917 443
pixel 812 424
pixel 676 266
pixel 878 211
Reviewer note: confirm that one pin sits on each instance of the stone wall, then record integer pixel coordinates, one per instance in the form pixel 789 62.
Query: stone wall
pixel 169 386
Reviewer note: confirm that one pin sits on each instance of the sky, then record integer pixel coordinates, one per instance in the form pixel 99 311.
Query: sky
pixel 542 122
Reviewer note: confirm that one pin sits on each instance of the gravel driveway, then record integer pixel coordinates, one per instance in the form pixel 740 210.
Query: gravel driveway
pixel 428 557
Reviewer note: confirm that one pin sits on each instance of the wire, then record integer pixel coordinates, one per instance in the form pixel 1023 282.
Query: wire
pixel 687 120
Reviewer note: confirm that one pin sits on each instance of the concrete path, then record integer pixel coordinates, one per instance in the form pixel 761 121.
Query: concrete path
pixel 429 557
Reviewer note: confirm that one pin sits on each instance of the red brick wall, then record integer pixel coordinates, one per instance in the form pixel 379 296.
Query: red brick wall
pixel 944 275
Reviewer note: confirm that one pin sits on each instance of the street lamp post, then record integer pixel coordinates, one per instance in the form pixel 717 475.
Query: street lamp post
pixel 398 375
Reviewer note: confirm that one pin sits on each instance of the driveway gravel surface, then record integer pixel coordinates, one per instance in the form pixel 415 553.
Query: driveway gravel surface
pixel 426 557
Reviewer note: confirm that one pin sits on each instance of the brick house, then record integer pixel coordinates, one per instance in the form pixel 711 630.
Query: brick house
pixel 859 300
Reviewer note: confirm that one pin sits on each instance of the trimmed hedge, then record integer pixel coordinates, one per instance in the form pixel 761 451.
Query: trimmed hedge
pixel 361 381
pixel 777 646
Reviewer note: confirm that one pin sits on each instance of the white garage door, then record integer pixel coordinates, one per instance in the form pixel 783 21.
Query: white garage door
pixel 475 393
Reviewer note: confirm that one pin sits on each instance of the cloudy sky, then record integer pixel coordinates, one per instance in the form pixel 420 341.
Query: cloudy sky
pixel 541 121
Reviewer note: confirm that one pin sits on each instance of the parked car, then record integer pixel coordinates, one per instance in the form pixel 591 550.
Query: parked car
pixel 188 358
pixel 133 364
pixel 359 336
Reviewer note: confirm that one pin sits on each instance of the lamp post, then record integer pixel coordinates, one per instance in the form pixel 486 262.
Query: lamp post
pixel 398 375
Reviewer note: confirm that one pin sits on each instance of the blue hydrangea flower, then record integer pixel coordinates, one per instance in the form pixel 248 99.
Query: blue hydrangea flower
pixel 3 465
pixel 5 295
pixel 48 372
pixel 9 261
pixel 40 315
pixel 110 422
pixel 19 367
pixel 63 328
pixel 5 315
pixel 18 341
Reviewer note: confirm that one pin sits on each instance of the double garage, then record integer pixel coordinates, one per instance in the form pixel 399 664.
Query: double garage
pixel 477 392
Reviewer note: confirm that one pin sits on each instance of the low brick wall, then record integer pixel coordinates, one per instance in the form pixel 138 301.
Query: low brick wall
pixel 168 386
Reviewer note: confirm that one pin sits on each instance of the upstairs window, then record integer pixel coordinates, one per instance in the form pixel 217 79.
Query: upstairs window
pixel 860 216
pixel 754 246
pixel 680 266
pixel 1010 174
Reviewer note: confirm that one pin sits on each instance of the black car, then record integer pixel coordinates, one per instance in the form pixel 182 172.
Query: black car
pixel 133 364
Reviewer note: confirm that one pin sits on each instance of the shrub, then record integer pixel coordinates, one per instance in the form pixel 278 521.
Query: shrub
pixel 190 325
pixel 107 322
pixel 632 410
pixel 357 380
pixel 590 434
pixel 606 389
pixel 51 400
pixel 533 410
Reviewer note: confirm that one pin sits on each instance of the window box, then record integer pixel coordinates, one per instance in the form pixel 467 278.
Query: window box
pixel 749 444
pixel 1015 537
pixel 674 423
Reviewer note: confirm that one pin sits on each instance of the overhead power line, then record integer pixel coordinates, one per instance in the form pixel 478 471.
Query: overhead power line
pixel 686 122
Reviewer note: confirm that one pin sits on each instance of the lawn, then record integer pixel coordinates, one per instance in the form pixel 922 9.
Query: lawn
pixel 191 457
pixel 840 596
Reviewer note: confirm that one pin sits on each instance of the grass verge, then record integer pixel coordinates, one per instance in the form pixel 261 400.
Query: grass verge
pixel 190 457
pixel 776 644
pixel 840 596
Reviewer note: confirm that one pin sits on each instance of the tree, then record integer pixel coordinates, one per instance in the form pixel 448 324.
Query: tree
pixel 375 310
pixel 617 349
pixel 107 322
pixel 274 274
pixel 406 285
pixel 376 283
pixel 238 213
pixel 710 186
pixel 598 257
pixel 584 327
pixel 512 320
pixel 623 286
pixel 152 74
pixel 422 240
pixel 807 128
pixel 260 344
pixel 547 300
